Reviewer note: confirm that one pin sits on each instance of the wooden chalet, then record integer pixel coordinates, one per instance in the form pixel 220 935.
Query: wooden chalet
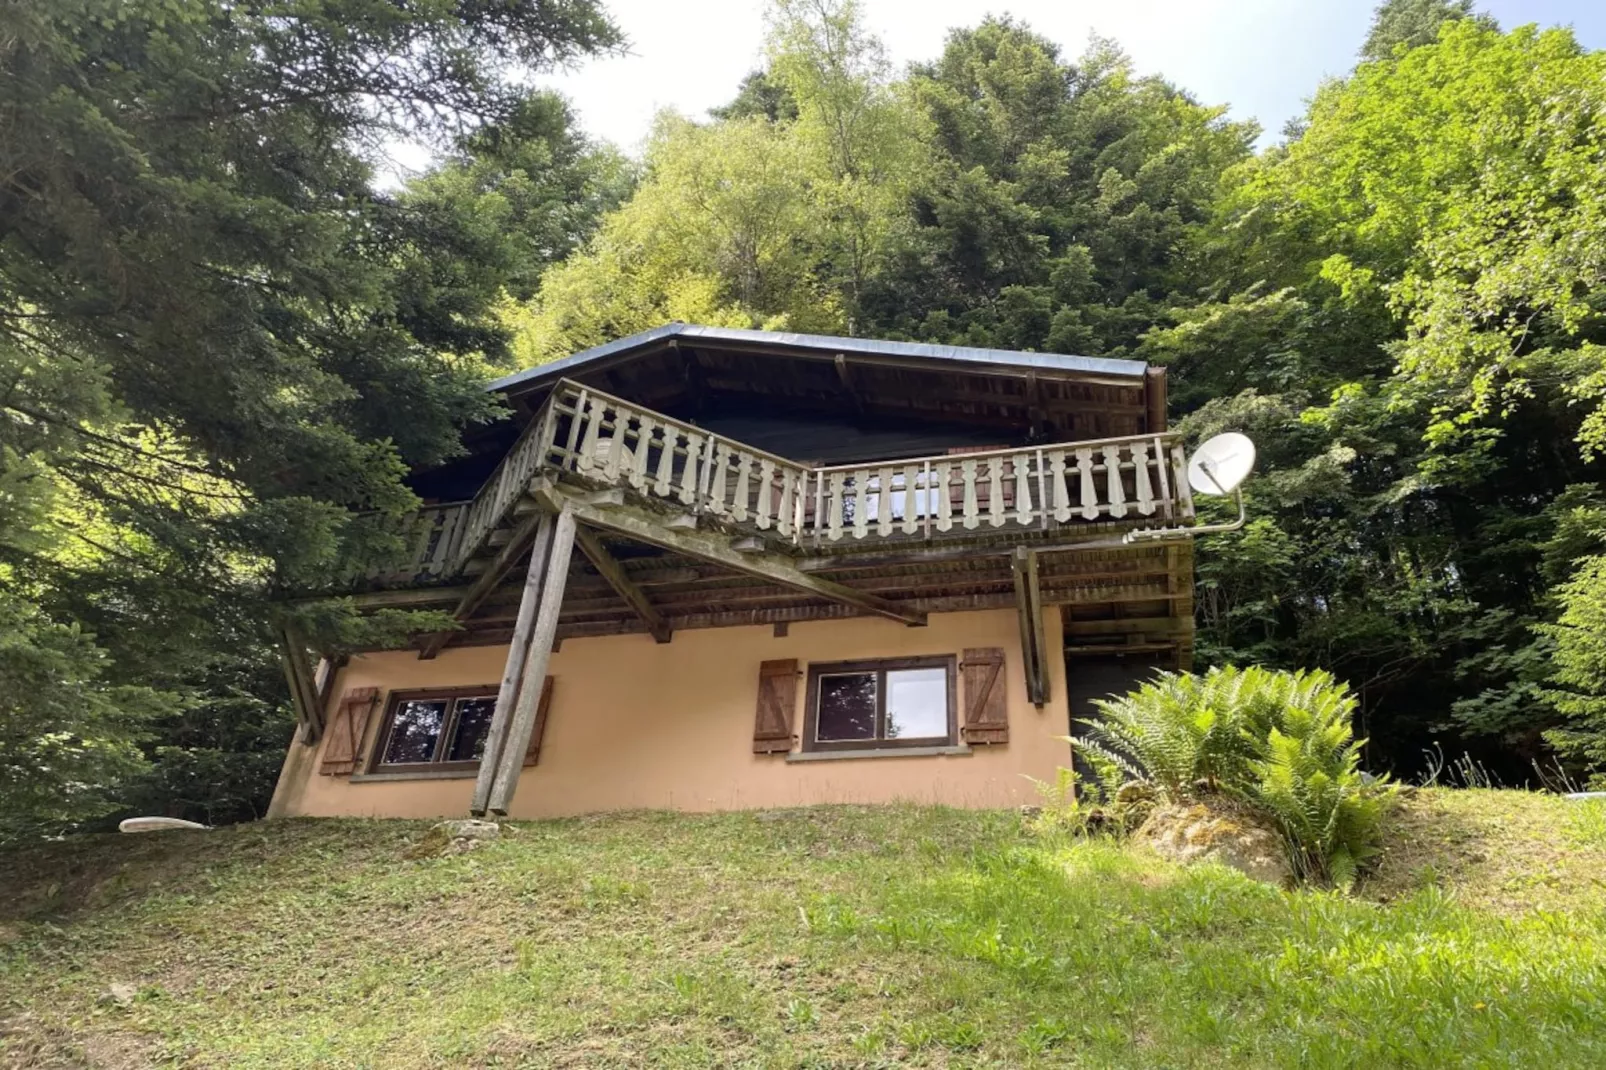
pixel 710 568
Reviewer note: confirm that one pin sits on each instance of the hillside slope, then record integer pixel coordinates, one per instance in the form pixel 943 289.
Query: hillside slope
pixel 828 937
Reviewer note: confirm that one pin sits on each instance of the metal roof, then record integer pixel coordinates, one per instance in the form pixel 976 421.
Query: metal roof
pixel 825 344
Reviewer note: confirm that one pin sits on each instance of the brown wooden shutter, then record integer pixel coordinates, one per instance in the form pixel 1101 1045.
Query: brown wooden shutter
pixel 777 704
pixel 986 711
pixel 532 753
pixel 343 737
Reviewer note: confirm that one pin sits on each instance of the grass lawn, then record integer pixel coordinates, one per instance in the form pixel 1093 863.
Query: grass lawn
pixel 825 937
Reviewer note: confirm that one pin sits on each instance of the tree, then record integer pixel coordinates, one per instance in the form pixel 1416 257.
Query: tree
pixel 68 739
pixel 1413 23
pixel 777 214
pixel 1057 200
pixel 1414 486
pixel 220 344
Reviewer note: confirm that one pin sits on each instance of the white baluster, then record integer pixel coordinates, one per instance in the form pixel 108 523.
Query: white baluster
pixel 638 460
pixel 1090 496
pixel 783 512
pixel 766 481
pixel 911 499
pixel 1112 480
pixel 1062 494
pixel 616 446
pixel 588 444
pixel 716 485
pixel 883 519
pixel 1140 468
pixel 1179 478
pixel 690 475
pixel 664 482
pixel 834 526
pixel 945 504
pixel 744 465
pixel 967 477
pixel 995 491
pixel 1023 488
pixel 861 502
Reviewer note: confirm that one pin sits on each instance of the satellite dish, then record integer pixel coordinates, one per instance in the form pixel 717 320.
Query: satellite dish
pixel 1221 463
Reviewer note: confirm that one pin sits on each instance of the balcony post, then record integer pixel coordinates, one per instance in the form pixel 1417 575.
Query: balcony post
pixel 1029 607
pixel 537 655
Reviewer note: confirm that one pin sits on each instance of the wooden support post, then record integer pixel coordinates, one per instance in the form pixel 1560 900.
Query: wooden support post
pixel 513 671
pixel 1033 640
pixel 845 375
pixel 543 632
pixel 298 673
pixel 486 582
pixel 622 585
pixel 646 527
pixel 1154 398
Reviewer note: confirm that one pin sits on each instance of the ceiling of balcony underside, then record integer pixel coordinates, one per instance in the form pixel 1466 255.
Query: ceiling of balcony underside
pixel 695 594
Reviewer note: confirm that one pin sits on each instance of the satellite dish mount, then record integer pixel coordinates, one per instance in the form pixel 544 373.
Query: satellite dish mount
pixel 1217 468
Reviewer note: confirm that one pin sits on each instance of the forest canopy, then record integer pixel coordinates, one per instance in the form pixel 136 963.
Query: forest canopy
pixel 224 338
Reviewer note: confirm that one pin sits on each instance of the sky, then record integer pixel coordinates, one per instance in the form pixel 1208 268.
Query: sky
pixel 1263 58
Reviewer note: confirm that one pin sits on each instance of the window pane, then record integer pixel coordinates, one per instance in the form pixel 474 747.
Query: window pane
pixel 847 707
pixel 917 704
pixel 413 733
pixel 473 722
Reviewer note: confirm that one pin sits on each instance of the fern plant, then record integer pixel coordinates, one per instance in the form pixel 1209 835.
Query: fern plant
pixel 1283 742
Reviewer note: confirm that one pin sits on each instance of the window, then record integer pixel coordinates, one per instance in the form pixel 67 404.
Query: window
pixel 900 702
pixel 434 729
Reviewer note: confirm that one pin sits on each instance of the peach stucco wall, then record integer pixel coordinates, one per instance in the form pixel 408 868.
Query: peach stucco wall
pixel 636 724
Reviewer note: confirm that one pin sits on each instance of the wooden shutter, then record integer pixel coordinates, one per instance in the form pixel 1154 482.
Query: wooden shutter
pixel 986 712
pixel 777 704
pixel 343 737
pixel 532 753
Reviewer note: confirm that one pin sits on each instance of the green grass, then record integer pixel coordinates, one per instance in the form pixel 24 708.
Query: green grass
pixel 826 937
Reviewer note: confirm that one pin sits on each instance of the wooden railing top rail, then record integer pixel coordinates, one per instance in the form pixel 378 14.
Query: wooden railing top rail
pixel 1167 437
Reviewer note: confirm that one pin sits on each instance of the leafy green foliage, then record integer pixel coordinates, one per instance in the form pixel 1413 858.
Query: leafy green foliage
pixel 68 738
pixel 1412 23
pixel 1282 742
pixel 221 341
pixel 1580 659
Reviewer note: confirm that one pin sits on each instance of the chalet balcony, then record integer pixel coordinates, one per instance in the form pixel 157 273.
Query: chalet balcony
pixel 584 438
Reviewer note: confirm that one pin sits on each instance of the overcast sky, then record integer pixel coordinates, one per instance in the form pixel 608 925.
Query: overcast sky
pixel 1262 57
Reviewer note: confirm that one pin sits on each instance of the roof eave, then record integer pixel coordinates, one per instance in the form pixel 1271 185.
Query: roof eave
pixel 827 347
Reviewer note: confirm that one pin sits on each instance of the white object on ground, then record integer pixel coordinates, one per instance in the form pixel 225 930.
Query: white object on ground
pixel 157 824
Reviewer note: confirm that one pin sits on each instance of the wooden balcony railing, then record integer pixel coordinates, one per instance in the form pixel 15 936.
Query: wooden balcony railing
pixel 434 539
pixel 611 442
pixel 1032 486
pixel 617 443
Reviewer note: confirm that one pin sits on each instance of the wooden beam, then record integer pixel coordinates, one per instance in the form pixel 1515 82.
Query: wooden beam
pixel 537 654
pixel 513 668
pixel 486 582
pixel 604 563
pixel 643 526
pixel 1152 626
pixel 298 673
pixel 1033 640
pixel 928 555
